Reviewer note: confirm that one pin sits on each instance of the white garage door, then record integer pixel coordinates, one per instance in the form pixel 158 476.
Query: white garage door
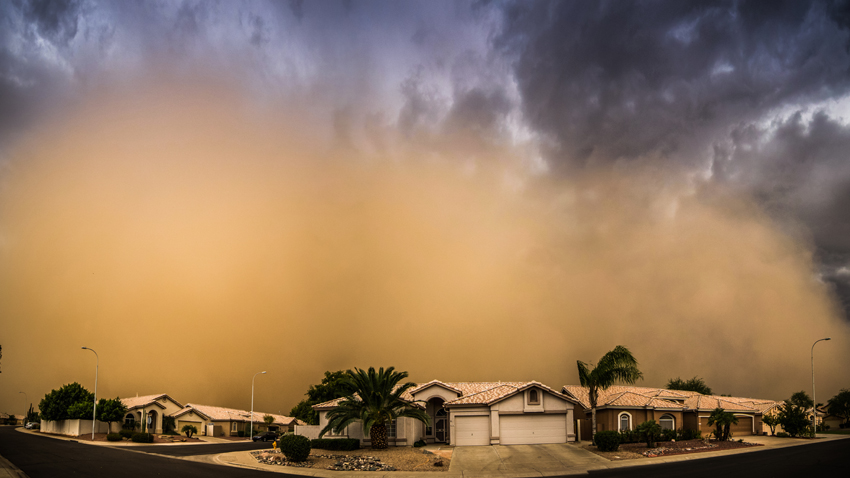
pixel 532 429
pixel 472 431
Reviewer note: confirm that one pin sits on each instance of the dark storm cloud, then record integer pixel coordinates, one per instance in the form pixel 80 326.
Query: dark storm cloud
pixel 798 169
pixel 53 19
pixel 611 80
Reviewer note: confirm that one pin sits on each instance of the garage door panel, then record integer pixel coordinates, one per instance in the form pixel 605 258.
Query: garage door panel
pixel 198 426
pixel 743 427
pixel 472 430
pixel 532 429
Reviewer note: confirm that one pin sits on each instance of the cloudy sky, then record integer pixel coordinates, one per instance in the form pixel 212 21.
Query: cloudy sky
pixel 464 190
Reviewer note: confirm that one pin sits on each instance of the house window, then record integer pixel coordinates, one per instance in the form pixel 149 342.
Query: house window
pixel 130 420
pixel 667 422
pixel 625 422
pixel 233 427
pixel 391 428
pixel 533 397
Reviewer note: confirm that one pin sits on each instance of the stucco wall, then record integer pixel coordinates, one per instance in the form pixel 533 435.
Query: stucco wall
pixel 72 428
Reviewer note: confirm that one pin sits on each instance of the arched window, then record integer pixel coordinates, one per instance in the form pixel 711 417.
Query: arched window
pixel 667 422
pixel 129 419
pixel 625 421
pixel 533 397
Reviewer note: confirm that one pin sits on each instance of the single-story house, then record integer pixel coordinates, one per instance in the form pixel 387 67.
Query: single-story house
pixel 230 421
pixel 208 420
pixel 624 407
pixel 4 419
pixel 476 413
pixel 153 407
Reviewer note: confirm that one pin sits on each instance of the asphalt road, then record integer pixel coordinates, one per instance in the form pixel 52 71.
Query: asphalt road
pixel 824 459
pixel 192 450
pixel 42 457
pixel 45 457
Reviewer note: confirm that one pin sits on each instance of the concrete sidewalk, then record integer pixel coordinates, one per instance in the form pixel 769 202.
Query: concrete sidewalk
pixel 518 461
pixel 204 440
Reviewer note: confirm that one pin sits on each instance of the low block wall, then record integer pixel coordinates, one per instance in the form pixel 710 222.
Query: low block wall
pixel 309 431
pixel 73 428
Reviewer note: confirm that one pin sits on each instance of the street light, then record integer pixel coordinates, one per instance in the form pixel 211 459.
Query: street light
pixel 252 401
pixel 94 410
pixel 814 400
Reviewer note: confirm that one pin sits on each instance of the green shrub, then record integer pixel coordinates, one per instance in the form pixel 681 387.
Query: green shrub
pixel 782 435
pixel 338 444
pixel 114 437
pixel 629 436
pixel 649 432
pixel 669 435
pixel 294 447
pixel 189 430
pixel 691 434
pixel 125 433
pixel 142 438
pixel 240 433
pixel 418 444
pixel 607 440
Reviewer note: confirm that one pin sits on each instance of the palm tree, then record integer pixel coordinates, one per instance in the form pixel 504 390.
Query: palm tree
pixel 722 421
pixel 374 398
pixel 617 365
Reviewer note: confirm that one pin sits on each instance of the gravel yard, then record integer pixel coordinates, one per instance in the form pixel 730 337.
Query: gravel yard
pixel 391 459
pixel 632 451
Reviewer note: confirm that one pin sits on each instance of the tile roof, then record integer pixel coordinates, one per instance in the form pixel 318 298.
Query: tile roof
pixel 232 414
pixel 471 393
pixel 626 396
pixel 146 400
pixel 422 386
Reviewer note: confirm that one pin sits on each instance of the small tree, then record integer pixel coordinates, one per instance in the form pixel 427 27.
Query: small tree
pixel 771 420
pixel 57 404
pixel 12 420
pixel 331 387
pixel 695 384
pixel 722 421
pixel 794 418
pixel 269 420
pixel 649 431
pixel 32 415
pixel 112 410
pixel 168 424
pixel 839 405
pixel 81 410
pixel 189 430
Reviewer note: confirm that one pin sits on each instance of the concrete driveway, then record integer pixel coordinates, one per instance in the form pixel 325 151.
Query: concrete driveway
pixel 524 460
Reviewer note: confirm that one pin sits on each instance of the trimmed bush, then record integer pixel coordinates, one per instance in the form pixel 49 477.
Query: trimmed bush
pixel 690 434
pixel 629 436
pixel 294 447
pixel 126 433
pixel 607 440
pixel 338 444
pixel 142 438
pixel 782 435
pixel 418 444
pixel 114 437
pixel 240 433
pixel 669 435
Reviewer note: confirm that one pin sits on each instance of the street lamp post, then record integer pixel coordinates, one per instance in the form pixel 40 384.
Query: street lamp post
pixel 814 400
pixel 252 401
pixel 94 410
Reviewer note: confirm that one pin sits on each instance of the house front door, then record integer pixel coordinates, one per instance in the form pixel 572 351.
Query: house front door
pixel 440 428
